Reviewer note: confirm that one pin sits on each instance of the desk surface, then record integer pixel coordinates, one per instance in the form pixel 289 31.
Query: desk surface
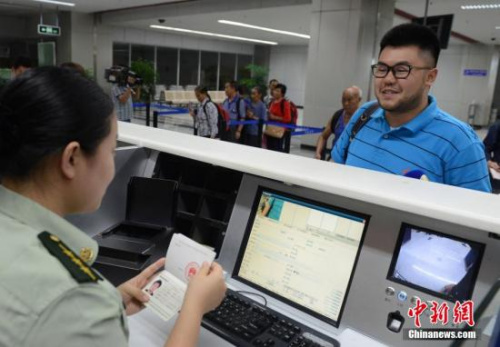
pixel 451 204
pixel 148 330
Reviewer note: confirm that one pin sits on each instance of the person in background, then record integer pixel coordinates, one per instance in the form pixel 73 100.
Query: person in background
pixel 244 98
pixel 52 165
pixel 492 149
pixel 122 95
pixel 269 97
pixel 74 66
pixel 280 112
pixel 256 111
pixel 206 116
pixel 406 133
pixel 235 106
pixel 20 65
pixel 351 99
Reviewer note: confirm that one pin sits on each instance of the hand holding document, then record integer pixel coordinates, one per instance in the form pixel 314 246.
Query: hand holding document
pixel 166 290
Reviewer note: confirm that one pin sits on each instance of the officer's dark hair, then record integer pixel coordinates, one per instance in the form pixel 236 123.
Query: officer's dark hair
pixel 233 84
pixel 412 34
pixel 74 66
pixel 22 61
pixel 44 110
pixel 281 87
pixel 273 80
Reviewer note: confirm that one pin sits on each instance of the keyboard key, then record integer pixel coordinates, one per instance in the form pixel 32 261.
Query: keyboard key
pixel 247 336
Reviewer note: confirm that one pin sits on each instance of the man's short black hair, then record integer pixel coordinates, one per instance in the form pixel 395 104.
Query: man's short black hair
pixel 22 61
pixel 233 84
pixel 412 34
pixel 273 80
pixel 281 87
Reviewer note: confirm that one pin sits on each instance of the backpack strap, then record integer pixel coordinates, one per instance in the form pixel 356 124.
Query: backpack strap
pixel 360 123
pixel 238 104
pixel 335 119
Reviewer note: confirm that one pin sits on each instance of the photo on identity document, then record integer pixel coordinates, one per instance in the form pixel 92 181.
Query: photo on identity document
pixel 166 290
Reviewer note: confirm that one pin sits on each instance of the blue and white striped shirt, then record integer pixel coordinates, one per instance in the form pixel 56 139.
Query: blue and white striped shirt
pixel 124 111
pixel 444 148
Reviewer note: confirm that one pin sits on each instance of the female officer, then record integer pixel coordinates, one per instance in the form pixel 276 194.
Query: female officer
pixel 57 138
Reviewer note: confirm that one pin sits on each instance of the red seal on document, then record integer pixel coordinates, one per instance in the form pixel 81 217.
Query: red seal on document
pixel 191 269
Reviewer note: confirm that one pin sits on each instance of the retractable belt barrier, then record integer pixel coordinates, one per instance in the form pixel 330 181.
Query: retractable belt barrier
pixel 163 110
pixel 297 130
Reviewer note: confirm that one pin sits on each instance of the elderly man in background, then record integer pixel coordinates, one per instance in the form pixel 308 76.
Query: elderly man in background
pixel 351 99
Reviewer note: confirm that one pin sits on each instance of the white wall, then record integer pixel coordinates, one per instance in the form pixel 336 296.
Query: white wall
pixel 288 64
pixel 454 91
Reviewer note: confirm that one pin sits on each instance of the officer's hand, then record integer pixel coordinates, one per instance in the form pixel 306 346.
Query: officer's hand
pixel 317 156
pixel 237 135
pixel 131 291
pixel 205 290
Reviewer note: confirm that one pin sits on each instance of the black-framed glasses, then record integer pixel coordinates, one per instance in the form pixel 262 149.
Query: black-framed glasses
pixel 400 71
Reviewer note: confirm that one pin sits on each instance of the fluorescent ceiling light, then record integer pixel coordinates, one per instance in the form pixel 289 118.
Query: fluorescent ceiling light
pixel 481 7
pixel 212 34
pixel 497 28
pixel 56 2
pixel 283 32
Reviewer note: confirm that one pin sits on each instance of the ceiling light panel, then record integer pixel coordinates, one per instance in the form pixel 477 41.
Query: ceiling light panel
pixel 481 7
pixel 205 33
pixel 250 26
pixel 61 3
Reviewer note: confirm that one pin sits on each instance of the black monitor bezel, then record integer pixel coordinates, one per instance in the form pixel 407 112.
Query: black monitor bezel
pixel 397 248
pixel 259 191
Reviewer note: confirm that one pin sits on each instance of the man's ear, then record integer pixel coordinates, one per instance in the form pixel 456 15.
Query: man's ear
pixel 70 159
pixel 431 77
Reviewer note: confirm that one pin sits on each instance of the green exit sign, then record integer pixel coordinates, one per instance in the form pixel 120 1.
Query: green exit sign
pixel 50 30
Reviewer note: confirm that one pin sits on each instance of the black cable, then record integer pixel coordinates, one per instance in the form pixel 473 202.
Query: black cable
pixel 254 294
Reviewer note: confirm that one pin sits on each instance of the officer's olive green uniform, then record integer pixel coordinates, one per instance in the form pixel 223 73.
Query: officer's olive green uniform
pixel 48 295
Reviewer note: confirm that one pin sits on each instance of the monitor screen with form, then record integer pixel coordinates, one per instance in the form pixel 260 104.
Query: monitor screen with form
pixel 301 252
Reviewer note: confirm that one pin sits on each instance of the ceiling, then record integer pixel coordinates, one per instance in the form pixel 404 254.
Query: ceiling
pixel 274 17
pixel 19 7
pixel 476 24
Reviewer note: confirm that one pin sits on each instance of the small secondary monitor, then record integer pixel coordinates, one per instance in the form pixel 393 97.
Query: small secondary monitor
pixel 441 265
pixel 301 252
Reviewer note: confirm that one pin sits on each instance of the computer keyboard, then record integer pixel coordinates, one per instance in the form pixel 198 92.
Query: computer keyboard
pixel 244 322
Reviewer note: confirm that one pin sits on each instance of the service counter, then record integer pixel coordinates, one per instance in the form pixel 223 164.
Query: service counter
pixel 405 222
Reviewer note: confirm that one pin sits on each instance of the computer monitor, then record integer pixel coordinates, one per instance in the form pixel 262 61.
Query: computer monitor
pixel 301 252
pixel 441 265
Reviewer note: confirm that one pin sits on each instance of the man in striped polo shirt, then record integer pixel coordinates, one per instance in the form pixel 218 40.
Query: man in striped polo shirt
pixel 408 133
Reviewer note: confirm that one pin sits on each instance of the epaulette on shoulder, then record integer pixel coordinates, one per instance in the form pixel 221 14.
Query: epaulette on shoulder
pixel 78 269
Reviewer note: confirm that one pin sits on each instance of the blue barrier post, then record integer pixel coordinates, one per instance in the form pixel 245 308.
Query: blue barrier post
pixel 155 119
pixel 148 109
pixel 260 131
